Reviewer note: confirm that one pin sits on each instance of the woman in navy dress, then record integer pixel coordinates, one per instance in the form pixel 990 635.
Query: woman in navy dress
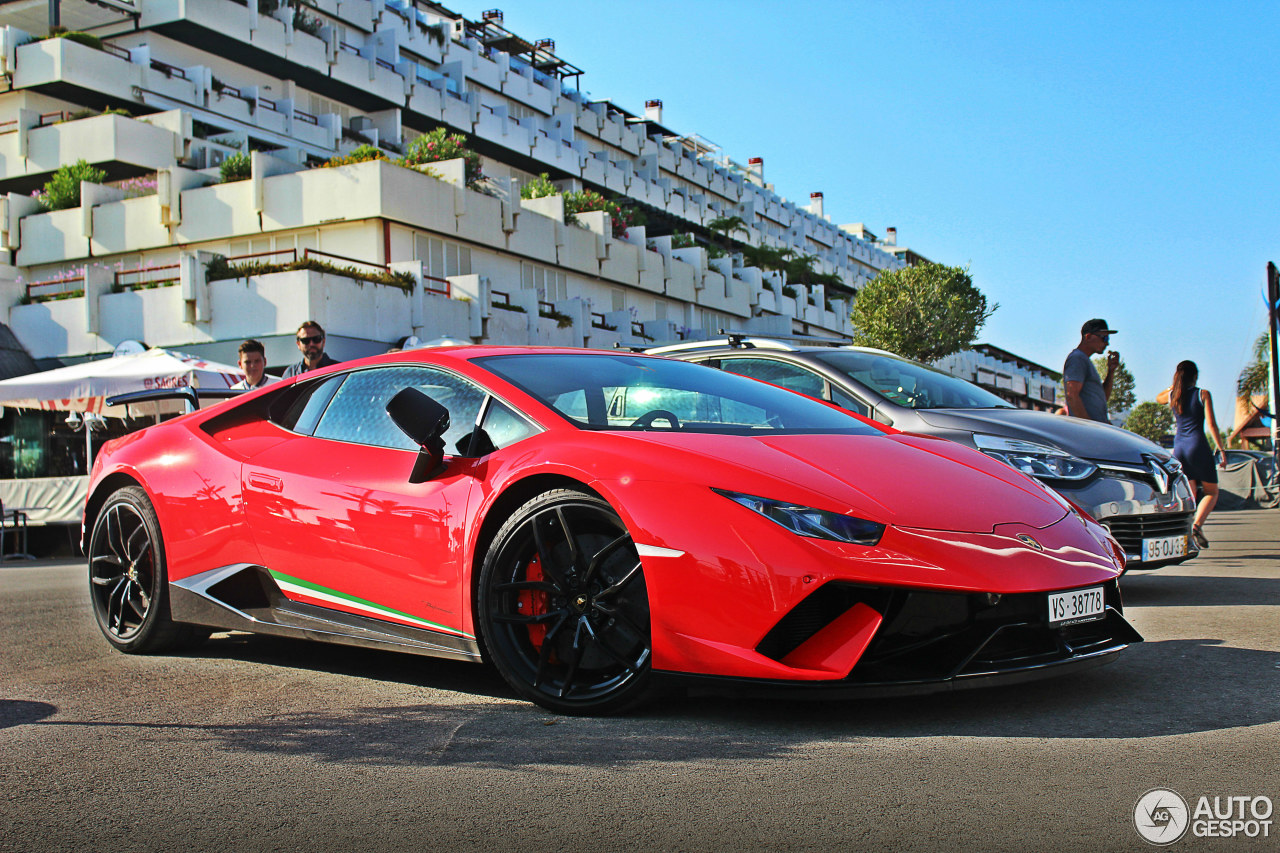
pixel 1191 406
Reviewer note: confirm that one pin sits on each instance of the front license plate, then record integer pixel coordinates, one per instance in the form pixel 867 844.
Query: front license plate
pixel 1072 608
pixel 1164 549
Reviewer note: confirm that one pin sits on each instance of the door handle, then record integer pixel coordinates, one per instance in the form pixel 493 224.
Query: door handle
pixel 265 483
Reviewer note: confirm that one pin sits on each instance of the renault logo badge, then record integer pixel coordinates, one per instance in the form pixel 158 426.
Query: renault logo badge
pixel 1030 541
pixel 1161 476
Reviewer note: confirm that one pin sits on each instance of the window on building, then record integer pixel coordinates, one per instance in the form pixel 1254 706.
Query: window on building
pixel 551 284
pixel 441 258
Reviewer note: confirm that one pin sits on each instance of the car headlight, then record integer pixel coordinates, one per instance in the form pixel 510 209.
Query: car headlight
pixel 1037 460
pixel 807 521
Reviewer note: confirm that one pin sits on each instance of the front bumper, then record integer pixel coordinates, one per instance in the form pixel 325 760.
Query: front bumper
pixel 928 641
pixel 1129 503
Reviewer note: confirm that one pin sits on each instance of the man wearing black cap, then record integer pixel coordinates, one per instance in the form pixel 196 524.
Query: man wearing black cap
pixel 1087 393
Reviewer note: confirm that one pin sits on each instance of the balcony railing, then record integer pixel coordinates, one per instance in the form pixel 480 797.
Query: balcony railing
pixel 144 278
pixel 56 287
pixel 168 70
pixel 307 253
pixel 432 284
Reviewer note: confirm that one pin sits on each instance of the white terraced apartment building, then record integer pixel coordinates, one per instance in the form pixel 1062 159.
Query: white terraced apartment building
pixel 294 85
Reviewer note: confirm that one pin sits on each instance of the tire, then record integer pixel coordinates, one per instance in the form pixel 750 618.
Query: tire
pixel 128 581
pixel 563 608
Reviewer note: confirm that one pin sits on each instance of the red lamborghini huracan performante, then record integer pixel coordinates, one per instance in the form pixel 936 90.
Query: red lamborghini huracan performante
pixel 596 525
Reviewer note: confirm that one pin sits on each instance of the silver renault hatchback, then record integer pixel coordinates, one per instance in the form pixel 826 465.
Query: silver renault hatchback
pixel 1132 486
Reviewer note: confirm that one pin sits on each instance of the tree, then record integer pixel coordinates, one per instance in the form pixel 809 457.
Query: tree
pixel 1122 396
pixel 1252 381
pixel 923 312
pixel 1152 421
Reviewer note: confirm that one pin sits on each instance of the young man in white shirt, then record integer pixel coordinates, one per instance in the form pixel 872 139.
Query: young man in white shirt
pixel 253 361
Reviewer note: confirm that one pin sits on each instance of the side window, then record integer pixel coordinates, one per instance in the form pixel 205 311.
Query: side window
pixel 848 401
pixel 500 428
pixel 301 406
pixel 358 412
pixel 777 373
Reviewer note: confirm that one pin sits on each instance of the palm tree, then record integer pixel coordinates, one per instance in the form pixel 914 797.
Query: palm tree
pixel 1253 379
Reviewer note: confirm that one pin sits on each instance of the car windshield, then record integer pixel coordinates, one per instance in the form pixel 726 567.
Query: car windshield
pixel 623 392
pixel 909 384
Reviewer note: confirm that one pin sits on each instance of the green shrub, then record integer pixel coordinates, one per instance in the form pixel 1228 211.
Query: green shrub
pixel 436 146
pixel 80 38
pixel 620 218
pixel 218 269
pixel 358 155
pixel 237 167
pixel 63 189
pixel 539 187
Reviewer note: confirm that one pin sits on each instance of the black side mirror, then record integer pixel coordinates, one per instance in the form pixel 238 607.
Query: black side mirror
pixel 424 421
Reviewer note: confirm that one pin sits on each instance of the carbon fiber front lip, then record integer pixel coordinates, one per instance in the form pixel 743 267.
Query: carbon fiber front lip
pixel 837 689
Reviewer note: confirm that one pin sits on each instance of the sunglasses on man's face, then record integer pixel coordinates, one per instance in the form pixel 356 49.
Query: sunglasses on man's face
pixel 313 339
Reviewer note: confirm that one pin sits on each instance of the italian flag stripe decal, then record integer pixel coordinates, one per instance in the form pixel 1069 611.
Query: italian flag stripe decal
pixel 310 590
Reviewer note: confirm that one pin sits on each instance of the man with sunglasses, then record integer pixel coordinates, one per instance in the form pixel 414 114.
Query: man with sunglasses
pixel 1087 392
pixel 311 344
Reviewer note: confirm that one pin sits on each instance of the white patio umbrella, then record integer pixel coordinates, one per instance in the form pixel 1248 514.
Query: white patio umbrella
pixel 86 387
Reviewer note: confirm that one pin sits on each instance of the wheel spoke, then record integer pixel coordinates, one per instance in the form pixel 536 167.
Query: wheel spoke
pixel 115 534
pixel 618 616
pixel 629 666
pixel 545 558
pixel 604 554
pixel 136 551
pixel 134 605
pixel 574 555
pixel 115 605
pixel 533 586
pixel 579 649
pixel 522 619
pixel 610 591
pixel 544 654
pixel 110 559
pixel 107 581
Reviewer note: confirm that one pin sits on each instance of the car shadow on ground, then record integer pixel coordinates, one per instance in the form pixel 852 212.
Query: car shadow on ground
pixel 1157 590
pixel 1217 687
pixel 21 712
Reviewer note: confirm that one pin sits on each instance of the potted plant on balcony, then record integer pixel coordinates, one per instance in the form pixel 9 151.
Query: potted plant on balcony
pixel 620 218
pixel 438 146
pixel 63 189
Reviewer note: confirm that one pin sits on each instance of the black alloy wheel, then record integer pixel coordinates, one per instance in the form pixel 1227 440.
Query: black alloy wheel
pixel 564 608
pixel 128 581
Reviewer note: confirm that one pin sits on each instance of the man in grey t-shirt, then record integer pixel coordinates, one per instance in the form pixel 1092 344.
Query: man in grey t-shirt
pixel 1087 393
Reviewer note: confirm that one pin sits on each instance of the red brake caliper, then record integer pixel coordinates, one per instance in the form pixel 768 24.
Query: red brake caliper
pixel 533 602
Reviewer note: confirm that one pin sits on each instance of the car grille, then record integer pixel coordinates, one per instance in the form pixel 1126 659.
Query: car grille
pixel 1130 530
pixel 934 636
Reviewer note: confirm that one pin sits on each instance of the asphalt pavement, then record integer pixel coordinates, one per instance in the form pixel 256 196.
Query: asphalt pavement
pixel 256 743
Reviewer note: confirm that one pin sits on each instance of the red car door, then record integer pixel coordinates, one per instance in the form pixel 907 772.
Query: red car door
pixel 337 521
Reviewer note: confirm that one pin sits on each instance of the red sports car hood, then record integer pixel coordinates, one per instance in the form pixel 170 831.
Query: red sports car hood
pixel 904 480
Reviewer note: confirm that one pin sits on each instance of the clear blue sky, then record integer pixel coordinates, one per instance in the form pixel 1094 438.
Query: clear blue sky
pixel 1084 159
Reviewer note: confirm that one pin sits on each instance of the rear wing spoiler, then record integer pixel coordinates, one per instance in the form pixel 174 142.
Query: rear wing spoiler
pixel 188 394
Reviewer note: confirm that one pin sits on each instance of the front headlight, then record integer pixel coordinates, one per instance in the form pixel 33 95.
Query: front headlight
pixel 1038 460
pixel 807 521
